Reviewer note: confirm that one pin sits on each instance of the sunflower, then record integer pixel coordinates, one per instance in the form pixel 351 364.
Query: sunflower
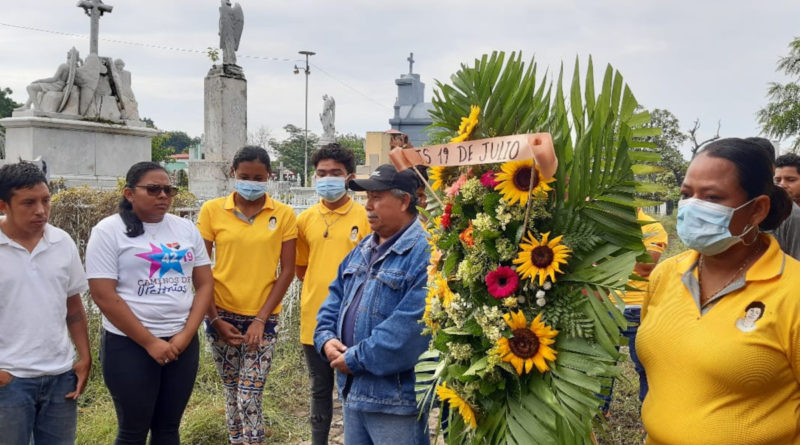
pixel 467 124
pixel 541 257
pixel 438 288
pixel 527 347
pixel 448 395
pixel 514 181
pixel 435 175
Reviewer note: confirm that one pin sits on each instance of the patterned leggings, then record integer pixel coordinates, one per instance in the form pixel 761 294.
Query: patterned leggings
pixel 243 374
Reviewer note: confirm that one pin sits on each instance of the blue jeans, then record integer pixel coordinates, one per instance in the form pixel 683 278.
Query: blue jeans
pixel 366 428
pixel 36 408
pixel 634 316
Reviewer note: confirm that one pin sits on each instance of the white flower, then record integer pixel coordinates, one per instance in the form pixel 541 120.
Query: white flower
pixel 541 301
pixel 548 285
pixel 540 293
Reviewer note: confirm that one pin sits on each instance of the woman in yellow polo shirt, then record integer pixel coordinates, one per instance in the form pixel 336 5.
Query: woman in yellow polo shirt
pixel 252 234
pixel 720 332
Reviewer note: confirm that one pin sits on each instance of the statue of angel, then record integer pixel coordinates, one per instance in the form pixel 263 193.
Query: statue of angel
pixel 231 22
pixel 327 117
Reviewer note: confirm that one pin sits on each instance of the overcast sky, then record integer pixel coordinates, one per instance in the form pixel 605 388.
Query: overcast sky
pixel 703 59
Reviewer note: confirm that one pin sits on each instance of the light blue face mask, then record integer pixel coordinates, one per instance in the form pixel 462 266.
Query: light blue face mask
pixel 703 226
pixel 250 190
pixel 331 188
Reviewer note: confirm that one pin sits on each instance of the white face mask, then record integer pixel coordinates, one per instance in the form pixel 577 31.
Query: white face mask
pixel 704 226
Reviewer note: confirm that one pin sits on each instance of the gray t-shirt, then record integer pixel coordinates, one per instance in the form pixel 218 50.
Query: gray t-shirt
pixel 788 233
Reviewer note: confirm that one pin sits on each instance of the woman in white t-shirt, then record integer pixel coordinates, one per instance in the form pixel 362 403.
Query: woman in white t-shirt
pixel 143 265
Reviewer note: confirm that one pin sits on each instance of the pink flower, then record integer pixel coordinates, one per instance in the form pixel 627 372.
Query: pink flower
pixel 453 190
pixel 488 180
pixel 502 282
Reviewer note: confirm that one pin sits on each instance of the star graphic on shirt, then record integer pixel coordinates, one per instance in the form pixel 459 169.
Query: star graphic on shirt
pixel 163 259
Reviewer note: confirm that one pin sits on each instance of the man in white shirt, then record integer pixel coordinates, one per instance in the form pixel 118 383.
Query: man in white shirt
pixel 40 309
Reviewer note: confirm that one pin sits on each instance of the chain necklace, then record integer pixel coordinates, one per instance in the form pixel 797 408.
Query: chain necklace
pixel 340 215
pixel 153 233
pixel 700 266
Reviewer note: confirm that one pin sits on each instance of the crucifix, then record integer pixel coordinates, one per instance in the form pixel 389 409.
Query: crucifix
pixel 410 63
pixel 94 9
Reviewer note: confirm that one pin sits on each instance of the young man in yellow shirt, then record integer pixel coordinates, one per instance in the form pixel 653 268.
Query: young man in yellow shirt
pixel 327 232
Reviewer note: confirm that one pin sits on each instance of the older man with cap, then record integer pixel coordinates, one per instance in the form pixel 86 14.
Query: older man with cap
pixel 368 328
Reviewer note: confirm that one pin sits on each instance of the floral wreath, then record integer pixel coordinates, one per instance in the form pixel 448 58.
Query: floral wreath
pixel 522 303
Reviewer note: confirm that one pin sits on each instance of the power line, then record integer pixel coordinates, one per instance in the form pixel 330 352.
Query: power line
pixel 144 45
pixel 199 51
pixel 350 87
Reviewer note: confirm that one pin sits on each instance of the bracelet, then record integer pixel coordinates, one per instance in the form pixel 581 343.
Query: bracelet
pixel 264 322
pixel 211 323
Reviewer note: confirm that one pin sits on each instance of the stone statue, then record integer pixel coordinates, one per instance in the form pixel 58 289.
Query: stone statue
pixel 55 84
pixel 122 82
pixel 97 87
pixel 327 118
pixel 87 79
pixel 231 22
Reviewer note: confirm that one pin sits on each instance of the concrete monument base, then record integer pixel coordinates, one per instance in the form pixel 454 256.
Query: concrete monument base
pixel 210 179
pixel 80 151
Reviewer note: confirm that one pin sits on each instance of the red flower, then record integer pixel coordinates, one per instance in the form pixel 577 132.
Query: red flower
pixel 448 209
pixel 502 282
pixel 488 180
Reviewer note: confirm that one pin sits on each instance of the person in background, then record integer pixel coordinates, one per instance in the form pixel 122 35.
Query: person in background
pixel 713 378
pixel 788 232
pixel 326 233
pixel 422 196
pixel 368 328
pixel 40 308
pixel 787 175
pixel 655 240
pixel 253 235
pixel 151 278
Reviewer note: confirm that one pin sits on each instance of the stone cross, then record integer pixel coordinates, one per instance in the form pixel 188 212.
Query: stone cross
pixel 410 63
pixel 94 9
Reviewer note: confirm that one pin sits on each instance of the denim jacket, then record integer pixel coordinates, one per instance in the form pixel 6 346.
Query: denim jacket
pixel 387 333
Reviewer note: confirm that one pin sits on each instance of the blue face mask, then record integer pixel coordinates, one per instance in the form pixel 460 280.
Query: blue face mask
pixel 703 226
pixel 331 188
pixel 250 190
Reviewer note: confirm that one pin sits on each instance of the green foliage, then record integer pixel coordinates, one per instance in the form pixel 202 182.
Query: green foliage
pixel 291 150
pixel 668 172
pixel 780 118
pixel 148 122
pixel 7 104
pixel 159 152
pixel 355 143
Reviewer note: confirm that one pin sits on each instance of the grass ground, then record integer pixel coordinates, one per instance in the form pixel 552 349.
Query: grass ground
pixel 286 396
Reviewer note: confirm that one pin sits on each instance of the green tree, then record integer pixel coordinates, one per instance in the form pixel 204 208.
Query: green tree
pixel 671 162
pixel 179 141
pixel 159 151
pixel 290 150
pixel 7 105
pixel 780 119
pixel 355 143
pixel 148 122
